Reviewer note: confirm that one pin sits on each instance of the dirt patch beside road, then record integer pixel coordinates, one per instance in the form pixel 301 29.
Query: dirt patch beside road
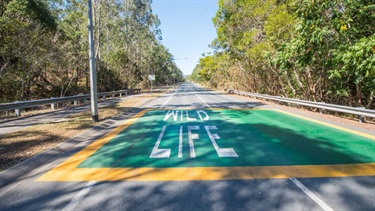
pixel 21 145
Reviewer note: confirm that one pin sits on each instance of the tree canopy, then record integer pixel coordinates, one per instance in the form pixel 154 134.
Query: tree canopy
pixel 319 50
pixel 44 47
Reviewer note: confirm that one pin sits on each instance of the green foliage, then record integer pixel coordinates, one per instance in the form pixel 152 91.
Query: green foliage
pixel 279 25
pixel 318 50
pixel 30 9
pixel 44 47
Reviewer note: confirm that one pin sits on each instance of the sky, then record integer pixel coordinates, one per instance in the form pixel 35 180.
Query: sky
pixel 187 29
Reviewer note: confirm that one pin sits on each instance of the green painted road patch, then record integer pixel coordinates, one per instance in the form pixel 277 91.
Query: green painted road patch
pixel 228 138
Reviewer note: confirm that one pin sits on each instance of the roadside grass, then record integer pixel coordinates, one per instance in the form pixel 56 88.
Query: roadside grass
pixel 21 145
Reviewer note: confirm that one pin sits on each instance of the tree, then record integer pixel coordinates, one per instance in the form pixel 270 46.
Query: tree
pixel 310 49
pixel 44 47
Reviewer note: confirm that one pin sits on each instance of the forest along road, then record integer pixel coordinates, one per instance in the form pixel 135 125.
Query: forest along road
pixel 195 149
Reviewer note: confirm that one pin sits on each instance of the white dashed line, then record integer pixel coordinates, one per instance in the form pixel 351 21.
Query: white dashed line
pixel 310 194
pixel 79 196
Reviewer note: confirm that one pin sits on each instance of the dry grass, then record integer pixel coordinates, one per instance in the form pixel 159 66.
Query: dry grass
pixel 8 115
pixel 18 146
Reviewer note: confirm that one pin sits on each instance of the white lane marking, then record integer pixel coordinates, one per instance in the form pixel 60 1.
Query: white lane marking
pixel 170 97
pixel 202 100
pixel 180 144
pixel 79 196
pixel 312 195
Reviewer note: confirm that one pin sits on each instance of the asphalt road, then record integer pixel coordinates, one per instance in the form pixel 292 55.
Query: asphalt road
pixel 170 157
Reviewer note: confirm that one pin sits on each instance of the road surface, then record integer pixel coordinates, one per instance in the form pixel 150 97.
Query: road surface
pixel 195 149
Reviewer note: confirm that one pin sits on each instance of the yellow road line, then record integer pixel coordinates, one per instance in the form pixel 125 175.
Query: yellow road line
pixel 207 173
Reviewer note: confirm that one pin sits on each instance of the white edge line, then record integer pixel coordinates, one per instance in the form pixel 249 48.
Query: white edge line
pixel 79 196
pixel 312 195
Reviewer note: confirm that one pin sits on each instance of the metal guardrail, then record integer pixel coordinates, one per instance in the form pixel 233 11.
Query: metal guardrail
pixel 361 112
pixel 33 103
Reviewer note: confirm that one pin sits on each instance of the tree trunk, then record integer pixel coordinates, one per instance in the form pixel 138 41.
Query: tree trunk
pixel 108 13
pixel 358 88
pixel 290 84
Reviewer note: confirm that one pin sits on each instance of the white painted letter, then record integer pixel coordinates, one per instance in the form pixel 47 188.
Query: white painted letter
pixel 169 114
pixel 191 139
pixel 188 118
pixel 180 144
pixel 223 152
pixel 200 116
pixel 160 153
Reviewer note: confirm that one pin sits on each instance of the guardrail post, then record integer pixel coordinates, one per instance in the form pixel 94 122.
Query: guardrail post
pixel 113 95
pixel 322 110
pixel 120 94
pixel 361 118
pixel 282 103
pixel 53 105
pixel 75 102
pixel 17 111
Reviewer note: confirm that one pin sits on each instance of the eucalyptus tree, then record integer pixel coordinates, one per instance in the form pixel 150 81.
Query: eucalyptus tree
pixel 317 50
pixel 332 54
pixel 44 47
pixel 27 29
pixel 249 32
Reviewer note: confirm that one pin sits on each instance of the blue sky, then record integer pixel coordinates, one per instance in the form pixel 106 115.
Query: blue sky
pixel 187 29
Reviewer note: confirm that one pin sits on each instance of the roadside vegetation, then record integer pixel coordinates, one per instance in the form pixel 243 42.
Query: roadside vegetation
pixel 21 145
pixel 319 50
pixel 44 48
